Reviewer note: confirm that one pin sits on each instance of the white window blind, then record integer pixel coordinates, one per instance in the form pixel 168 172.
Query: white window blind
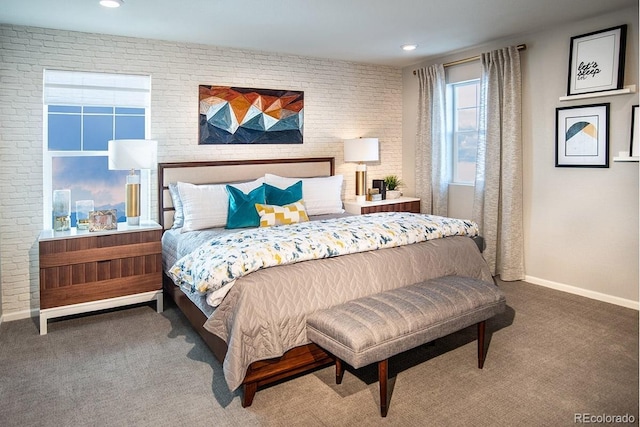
pixel 97 89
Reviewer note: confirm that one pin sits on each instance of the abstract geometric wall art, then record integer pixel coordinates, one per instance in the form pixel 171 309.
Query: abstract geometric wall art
pixel 582 136
pixel 235 115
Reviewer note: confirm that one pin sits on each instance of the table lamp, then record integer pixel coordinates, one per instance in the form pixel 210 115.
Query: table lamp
pixel 132 154
pixel 361 150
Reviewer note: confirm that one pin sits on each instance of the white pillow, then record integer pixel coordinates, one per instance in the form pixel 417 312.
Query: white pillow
pixel 247 187
pixel 206 206
pixel 178 216
pixel 321 195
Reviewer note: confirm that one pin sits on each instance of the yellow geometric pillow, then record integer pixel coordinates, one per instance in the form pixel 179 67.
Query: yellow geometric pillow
pixel 279 215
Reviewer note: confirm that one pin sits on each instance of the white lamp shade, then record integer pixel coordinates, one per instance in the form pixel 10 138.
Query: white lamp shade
pixel 125 154
pixel 361 150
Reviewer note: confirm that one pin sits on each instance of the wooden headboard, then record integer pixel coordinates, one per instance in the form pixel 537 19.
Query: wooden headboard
pixel 225 171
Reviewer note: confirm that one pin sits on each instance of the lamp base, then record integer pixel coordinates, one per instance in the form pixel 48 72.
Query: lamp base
pixel 132 202
pixel 361 176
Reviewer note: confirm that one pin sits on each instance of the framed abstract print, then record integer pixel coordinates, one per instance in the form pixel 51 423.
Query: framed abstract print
pixel 237 115
pixel 582 136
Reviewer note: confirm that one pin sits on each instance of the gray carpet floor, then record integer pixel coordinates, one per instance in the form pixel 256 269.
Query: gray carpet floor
pixel 551 356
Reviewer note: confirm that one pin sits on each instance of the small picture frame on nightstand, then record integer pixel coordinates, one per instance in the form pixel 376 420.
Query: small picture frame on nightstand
pixel 373 195
pixel 103 220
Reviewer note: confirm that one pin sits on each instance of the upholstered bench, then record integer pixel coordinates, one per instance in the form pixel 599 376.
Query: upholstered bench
pixel 374 328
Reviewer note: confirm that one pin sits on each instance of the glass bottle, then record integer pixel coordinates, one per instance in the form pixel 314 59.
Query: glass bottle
pixel 61 210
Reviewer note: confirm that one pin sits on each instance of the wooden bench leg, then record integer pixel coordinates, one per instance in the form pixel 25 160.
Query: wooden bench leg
pixel 481 328
pixel 339 370
pixel 383 366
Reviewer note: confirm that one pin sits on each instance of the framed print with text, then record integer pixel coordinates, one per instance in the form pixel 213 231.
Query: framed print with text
pixel 596 61
pixel 582 136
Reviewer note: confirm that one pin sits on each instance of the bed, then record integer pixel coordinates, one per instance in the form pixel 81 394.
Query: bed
pixel 258 331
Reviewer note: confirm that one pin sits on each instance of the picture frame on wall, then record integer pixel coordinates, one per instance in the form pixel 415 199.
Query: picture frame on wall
pixel 582 136
pixel 240 115
pixel 634 145
pixel 596 61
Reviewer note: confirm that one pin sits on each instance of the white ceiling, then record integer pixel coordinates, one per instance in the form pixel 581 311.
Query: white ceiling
pixel 370 31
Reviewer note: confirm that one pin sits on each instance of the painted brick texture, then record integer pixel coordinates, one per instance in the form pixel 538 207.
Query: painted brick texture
pixel 342 100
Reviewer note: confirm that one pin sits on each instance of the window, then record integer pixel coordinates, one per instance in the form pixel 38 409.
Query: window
pixel 82 112
pixel 463 128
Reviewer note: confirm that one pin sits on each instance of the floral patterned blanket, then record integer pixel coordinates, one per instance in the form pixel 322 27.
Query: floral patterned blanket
pixel 226 258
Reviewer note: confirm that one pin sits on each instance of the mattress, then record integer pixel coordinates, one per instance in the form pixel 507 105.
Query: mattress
pixel 176 244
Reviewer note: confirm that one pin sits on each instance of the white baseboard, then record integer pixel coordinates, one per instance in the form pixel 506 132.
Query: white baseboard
pixel 583 292
pixel 19 315
pixel 24 314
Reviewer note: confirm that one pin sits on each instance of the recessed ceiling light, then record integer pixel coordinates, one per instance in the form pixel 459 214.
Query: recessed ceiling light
pixel 409 46
pixel 111 3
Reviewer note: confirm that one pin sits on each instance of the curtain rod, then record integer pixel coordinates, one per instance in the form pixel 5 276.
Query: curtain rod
pixel 470 59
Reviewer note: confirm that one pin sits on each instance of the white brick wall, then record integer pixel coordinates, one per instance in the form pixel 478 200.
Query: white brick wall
pixel 342 100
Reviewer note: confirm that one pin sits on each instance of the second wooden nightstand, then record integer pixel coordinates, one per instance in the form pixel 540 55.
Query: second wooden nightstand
pixel 401 204
pixel 81 271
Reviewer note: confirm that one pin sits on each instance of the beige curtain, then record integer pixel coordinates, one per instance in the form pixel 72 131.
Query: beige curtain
pixel 497 204
pixel 432 166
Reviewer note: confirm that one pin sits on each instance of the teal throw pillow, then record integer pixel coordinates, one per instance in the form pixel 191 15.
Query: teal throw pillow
pixel 279 197
pixel 242 207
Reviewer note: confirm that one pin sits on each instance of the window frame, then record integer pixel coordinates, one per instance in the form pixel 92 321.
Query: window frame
pixel 452 124
pixel 49 155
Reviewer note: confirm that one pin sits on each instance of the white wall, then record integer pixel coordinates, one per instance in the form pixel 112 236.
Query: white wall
pixel 581 225
pixel 1 318
pixel 342 100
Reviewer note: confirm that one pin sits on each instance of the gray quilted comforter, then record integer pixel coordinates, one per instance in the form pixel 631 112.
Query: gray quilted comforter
pixel 264 314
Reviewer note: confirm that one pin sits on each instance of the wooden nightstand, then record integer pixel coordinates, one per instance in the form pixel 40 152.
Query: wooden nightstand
pixel 401 204
pixel 82 271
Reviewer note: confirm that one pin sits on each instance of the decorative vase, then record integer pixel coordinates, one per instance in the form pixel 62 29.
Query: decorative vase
pixel 393 194
pixel 83 207
pixel 61 210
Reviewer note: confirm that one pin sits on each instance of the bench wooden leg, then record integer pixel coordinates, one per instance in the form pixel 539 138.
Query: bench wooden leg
pixel 481 328
pixel 339 371
pixel 383 372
